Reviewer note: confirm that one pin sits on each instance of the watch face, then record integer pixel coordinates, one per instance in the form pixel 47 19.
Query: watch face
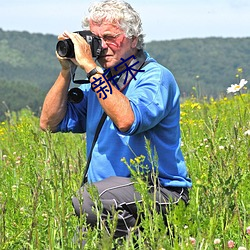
pixel 99 70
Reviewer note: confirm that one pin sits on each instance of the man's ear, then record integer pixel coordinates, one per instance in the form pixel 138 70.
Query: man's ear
pixel 134 42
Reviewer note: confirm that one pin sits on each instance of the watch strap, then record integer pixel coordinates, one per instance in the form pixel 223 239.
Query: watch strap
pixel 91 73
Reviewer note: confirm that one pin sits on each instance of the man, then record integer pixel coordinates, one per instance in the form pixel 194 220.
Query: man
pixel 145 107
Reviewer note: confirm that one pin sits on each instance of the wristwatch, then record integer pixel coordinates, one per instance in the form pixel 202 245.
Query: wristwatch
pixel 96 70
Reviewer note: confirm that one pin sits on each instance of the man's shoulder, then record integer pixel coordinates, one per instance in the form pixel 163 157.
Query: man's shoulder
pixel 152 63
pixel 155 68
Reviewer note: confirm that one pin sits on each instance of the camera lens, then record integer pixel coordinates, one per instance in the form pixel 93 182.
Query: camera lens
pixel 75 95
pixel 65 48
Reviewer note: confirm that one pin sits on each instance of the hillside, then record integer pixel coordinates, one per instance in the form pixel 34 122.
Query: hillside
pixel 28 66
pixel 210 63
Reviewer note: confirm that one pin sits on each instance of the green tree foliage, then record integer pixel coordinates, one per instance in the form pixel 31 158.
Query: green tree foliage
pixel 17 95
pixel 211 63
pixel 26 57
pixel 28 68
pixel 204 67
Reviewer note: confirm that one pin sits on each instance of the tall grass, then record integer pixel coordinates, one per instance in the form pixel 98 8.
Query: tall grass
pixel 40 172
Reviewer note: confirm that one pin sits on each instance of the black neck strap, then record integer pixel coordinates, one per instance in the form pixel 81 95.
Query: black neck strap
pixel 97 132
pixel 141 63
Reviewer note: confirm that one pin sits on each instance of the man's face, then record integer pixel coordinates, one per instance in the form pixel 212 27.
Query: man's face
pixel 114 43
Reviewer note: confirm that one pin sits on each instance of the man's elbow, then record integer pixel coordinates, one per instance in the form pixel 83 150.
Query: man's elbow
pixel 45 126
pixel 125 125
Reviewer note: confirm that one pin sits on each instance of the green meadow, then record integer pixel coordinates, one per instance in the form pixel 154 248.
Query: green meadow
pixel 40 172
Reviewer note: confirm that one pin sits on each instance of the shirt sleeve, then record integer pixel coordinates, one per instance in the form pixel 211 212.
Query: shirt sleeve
pixel 152 99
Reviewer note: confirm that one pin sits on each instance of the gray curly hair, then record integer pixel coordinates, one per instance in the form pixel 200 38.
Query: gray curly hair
pixel 120 12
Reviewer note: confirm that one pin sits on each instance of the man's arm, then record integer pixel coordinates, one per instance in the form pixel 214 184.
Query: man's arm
pixel 55 103
pixel 116 105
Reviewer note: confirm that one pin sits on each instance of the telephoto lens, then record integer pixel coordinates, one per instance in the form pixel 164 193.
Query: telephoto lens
pixel 65 48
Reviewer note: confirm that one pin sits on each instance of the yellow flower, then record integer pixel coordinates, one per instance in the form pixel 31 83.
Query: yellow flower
pixel 132 162
pixel 195 105
pixel 138 160
pixel 240 70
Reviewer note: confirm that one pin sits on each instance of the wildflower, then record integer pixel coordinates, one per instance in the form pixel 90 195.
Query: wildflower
pixel 198 182
pixel 22 210
pixel 195 106
pixel 230 244
pixel 248 230
pixel 45 216
pixel 242 248
pixel 132 162
pixel 137 159
pixel 240 70
pixel 237 87
pixel 216 241
pixel 221 147
pixel 14 188
pixel 247 133
pixel 192 240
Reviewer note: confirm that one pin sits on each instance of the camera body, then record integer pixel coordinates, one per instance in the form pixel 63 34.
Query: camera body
pixel 65 48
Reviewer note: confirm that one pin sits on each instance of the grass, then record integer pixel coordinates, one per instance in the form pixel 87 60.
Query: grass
pixel 40 172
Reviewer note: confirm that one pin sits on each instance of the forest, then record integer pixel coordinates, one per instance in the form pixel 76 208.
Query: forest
pixel 201 66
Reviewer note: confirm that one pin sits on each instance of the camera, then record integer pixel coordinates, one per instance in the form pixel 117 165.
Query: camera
pixel 65 48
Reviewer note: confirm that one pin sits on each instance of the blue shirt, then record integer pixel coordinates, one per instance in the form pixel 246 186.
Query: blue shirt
pixel 154 98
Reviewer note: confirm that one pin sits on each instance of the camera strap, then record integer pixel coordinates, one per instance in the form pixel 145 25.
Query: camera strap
pixel 142 63
pixel 97 132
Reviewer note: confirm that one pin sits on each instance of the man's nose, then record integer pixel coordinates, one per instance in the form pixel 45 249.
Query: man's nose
pixel 104 44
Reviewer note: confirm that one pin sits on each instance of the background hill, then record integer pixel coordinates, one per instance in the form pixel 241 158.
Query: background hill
pixel 28 66
pixel 210 64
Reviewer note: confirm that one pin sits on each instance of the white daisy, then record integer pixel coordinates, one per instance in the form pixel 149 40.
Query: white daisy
pixel 237 87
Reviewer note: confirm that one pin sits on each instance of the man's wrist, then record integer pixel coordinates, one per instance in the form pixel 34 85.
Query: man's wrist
pixel 65 73
pixel 96 70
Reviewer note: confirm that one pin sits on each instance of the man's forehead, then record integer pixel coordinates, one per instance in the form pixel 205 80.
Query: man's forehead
pixel 104 25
